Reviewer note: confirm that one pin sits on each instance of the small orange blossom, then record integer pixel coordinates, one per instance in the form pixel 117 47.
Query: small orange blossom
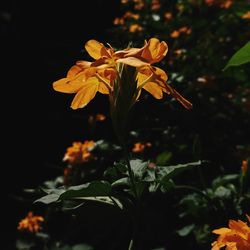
pixel 31 223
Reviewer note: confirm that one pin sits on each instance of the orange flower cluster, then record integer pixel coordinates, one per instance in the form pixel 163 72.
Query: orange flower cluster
pixel 31 223
pixel 224 4
pixel 103 74
pixel 127 15
pixel 184 30
pixel 140 147
pixel 79 152
pixel 236 237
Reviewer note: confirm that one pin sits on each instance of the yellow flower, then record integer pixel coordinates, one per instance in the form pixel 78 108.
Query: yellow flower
pixel 105 73
pixel 31 223
pixel 79 152
pixel 236 237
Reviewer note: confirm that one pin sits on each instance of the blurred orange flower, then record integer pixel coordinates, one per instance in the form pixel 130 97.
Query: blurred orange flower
pixel 79 152
pixel 31 223
pixel 236 237
pixel 140 147
pixel 177 33
pixel 100 117
pixel 155 5
pixel 135 28
pixel 224 4
pixel 244 167
pixel 119 21
pixel 129 15
pixel 168 16
pixel 246 15
pixel 139 4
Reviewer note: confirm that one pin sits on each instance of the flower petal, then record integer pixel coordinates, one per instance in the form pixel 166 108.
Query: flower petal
pixel 133 61
pixel 180 98
pixel 155 50
pixel 66 85
pixel 222 230
pixel 154 89
pixel 96 49
pixel 85 94
pixel 74 70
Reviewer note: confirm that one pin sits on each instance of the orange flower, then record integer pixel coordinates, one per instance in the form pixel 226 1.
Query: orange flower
pixel 100 117
pixel 236 237
pixel 175 34
pixel 244 167
pixel 246 15
pixel 129 15
pixel 31 223
pixel 184 29
pixel 135 28
pixel 168 16
pixel 104 74
pixel 79 152
pixel 155 5
pixel 224 4
pixel 139 4
pixel 118 21
pixel 140 147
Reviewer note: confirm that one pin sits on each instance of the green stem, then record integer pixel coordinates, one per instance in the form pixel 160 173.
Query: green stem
pixel 130 172
pixel 131 244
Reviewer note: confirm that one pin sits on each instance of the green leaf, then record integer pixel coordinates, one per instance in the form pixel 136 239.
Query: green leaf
pixel 110 200
pixel 185 230
pixel 139 168
pixel 164 158
pixel 165 173
pixel 222 192
pixel 115 172
pixel 95 188
pixel 71 205
pixel 82 247
pixel 242 56
pixel 47 199
pixel 121 182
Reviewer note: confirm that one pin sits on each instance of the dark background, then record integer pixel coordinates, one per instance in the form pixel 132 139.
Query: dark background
pixel 41 40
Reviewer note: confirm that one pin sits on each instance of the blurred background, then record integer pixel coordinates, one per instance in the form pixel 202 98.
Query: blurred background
pixel 40 41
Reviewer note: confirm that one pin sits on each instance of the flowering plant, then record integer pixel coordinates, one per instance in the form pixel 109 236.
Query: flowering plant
pixel 122 75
